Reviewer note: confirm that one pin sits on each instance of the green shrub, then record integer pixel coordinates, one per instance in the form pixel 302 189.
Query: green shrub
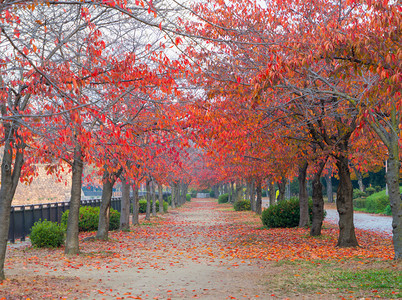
pixel 223 198
pixel 143 206
pixel 285 214
pixel 378 188
pixel 169 200
pixel 377 204
pixel 359 203
pixel 47 234
pixel 212 194
pixel 264 193
pixel 358 194
pixel 89 218
pixel 165 205
pixel 188 197
pixel 114 219
pixel 370 190
pixel 242 205
pixel 387 210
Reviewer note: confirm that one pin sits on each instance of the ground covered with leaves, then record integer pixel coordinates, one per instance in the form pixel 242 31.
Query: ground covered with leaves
pixel 206 250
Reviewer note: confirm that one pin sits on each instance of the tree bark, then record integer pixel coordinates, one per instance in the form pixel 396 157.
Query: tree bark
pixel 303 196
pixel 253 203
pixel 72 244
pixel 232 192
pixel 136 206
pixel 104 211
pixel 239 191
pixel 359 177
pixel 318 201
pixel 330 193
pixel 395 198
pixel 282 187
pixel 258 202
pixel 125 205
pixel 153 199
pixel 344 205
pixel 390 137
pixel 160 195
pixel 10 175
pixel 148 210
pixel 271 187
pixel 173 195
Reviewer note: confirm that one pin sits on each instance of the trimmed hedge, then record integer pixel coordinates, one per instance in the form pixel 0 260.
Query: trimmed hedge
pixel 47 234
pixel 188 197
pixel 224 198
pixel 242 205
pixel 143 206
pixel 358 194
pixel 370 190
pixel 89 218
pixel 376 203
pixel 359 203
pixel 285 214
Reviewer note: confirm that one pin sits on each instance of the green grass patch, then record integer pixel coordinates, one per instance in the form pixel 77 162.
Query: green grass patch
pixel 335 278
pixel 385 283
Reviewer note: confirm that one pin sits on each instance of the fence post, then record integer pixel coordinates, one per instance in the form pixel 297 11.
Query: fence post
pixel 24 231
pixel 12 227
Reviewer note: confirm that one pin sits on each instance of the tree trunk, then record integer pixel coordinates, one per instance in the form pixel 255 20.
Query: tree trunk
pixel 148 210
pixel 184 191
pixel 359 177
pixel 10 175
pixel 160 195
pixel 173 195
pixel 125 205
pixel 390 137
pixel 252 196
pixel 239 191
pixel 318 201
pixel 303 196
pixel 136 206
pixel 153 199
pixel 104 211
pixel 282 187
pixel 395 197
pixel 344 205
pixel 330 193
pixel 258 203
pixel 72 245
pixel 271 187
pixel 232 192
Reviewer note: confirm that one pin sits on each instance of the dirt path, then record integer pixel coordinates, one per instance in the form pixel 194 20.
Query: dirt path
pixel 202 250
pixel 180 260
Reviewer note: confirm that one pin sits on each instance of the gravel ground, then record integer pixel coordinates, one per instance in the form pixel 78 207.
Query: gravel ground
pixel 364 221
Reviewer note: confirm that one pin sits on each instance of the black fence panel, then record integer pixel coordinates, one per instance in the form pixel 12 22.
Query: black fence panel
pixel 23 217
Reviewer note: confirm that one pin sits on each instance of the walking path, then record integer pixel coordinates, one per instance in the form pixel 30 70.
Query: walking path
pixel 364 221
pixel 202 250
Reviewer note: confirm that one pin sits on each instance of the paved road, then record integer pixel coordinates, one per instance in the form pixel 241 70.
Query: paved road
pixel 364 221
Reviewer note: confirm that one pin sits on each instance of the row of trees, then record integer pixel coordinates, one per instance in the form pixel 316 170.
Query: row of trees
pixel 89 84
pixel 264 90
pixel 296 88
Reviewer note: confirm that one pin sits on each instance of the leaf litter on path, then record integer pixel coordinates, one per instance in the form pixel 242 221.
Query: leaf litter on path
pixel 202 250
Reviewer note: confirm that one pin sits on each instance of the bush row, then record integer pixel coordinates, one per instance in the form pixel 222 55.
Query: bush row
pixel 143 206
pixel 285 214
pixel 89 218
pixel 369 191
